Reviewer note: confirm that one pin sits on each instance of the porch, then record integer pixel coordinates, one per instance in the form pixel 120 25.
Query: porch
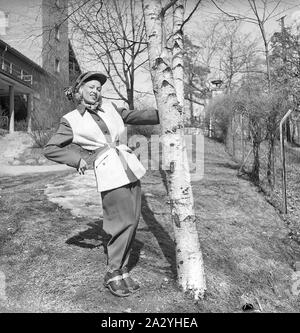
pixel 16 96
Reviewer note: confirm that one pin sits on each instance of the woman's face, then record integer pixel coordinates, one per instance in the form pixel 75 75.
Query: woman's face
pixel 91 91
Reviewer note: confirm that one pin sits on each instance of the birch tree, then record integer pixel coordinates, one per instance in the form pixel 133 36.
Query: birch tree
pixel 167 79
pixel 177 50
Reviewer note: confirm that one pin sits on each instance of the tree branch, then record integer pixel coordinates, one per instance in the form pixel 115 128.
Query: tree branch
pixel 191 14
pixel 193 100
pixel 167 6
pixel 234 17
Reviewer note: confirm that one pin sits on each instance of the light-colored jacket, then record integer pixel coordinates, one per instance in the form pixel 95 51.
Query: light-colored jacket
pixel 115 165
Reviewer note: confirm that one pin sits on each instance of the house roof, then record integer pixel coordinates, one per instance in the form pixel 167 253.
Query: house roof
pixel 22 56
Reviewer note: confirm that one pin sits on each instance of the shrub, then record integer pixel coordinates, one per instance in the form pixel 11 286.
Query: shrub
pixel 3 119
pixel 217 116
pixel 42 129
pixel 41 137
pixel 3 132
pixel 145 130
pixel 21 125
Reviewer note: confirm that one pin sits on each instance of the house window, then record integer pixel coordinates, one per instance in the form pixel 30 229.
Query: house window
pixel 57 65
pixel 57 32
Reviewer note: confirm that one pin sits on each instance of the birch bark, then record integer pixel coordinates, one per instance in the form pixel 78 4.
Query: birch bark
pixel 169 101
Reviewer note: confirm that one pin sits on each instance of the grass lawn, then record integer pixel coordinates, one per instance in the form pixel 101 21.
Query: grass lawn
pixel 54 261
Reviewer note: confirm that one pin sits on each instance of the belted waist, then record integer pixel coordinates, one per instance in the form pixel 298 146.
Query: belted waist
pixel 106 147
pixel 115 145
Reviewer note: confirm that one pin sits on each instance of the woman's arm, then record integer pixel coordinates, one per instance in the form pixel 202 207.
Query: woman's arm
pixel 56 150
pixel 134 117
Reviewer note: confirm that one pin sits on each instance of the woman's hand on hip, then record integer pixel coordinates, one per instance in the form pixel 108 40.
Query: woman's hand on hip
pixel 82 167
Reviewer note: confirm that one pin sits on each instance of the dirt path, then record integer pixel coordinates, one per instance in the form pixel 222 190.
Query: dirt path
pixel 53 259
pixel 11 145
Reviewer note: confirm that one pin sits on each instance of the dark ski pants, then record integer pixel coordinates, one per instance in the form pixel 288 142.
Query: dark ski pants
pixel 121 214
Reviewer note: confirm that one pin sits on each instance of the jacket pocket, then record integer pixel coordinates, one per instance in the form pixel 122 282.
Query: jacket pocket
pixel 101 160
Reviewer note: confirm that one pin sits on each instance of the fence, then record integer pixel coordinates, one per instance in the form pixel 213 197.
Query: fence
pixel 239 146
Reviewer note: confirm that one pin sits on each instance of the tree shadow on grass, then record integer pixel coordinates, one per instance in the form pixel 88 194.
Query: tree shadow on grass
pixel 164 240
pixel 164 179
pixel 95 236
pixel 232 165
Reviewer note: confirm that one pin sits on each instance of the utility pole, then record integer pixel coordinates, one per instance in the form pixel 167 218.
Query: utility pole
pixel 282 25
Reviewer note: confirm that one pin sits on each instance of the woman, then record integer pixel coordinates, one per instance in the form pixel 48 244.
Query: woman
pixel 96 127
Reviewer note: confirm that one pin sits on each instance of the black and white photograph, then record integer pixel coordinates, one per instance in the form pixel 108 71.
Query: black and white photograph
pixel 149 159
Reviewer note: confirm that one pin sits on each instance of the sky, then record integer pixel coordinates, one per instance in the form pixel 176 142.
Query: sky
pixel 208 12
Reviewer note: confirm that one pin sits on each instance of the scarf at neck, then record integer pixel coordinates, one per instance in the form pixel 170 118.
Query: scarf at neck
pixel 92 107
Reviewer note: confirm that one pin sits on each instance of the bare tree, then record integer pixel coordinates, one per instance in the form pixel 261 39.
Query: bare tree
pixel 195 85
pixel 237 51
pixel 188 253
pixel 209 42
pixel 114 32
pixel 261 12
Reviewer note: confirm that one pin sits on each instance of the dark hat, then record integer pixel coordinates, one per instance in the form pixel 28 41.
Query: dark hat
pixel 70 92
pixel 89 76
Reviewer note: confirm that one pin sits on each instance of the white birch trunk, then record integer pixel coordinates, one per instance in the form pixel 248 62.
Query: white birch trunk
pixel 177 50
pixel 188 253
